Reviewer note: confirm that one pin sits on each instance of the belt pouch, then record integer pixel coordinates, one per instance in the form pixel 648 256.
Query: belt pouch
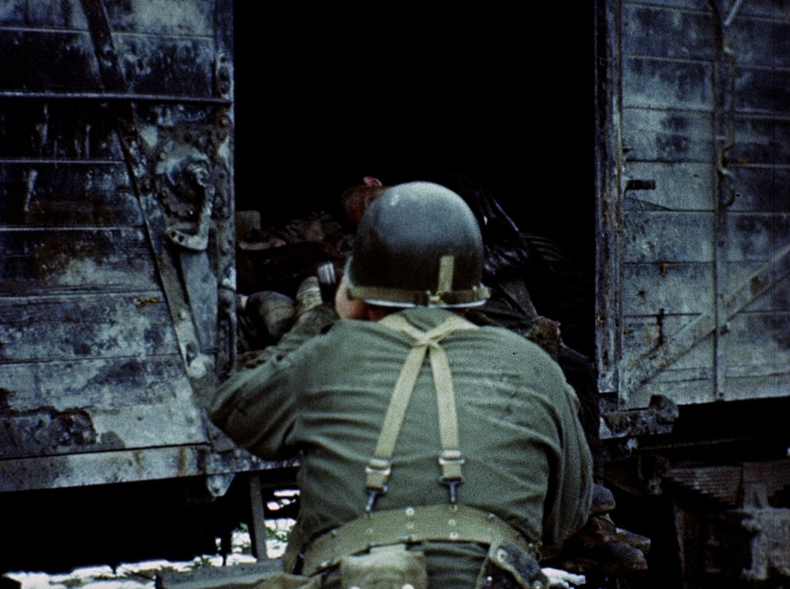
pixel 385 567
pixel 510 567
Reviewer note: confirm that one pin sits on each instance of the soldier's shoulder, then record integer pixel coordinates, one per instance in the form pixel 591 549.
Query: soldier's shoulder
pixel 521 348
pixel 506 334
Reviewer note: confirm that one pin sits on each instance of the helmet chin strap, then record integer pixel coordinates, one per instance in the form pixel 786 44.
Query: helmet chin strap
pixel 443 296
pixel 445 281
pixel 446 273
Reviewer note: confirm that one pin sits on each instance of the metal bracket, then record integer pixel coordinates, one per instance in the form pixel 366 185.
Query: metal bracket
pixel 198 174
pixel 218 484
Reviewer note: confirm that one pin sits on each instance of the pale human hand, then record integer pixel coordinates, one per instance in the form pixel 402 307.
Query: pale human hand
pixel 559 579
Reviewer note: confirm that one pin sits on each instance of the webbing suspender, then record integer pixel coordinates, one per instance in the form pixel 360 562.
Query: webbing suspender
pixel 450 460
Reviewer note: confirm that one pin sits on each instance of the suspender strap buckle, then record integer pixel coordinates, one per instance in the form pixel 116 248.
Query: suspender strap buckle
pixel 451 463
pixel 377 473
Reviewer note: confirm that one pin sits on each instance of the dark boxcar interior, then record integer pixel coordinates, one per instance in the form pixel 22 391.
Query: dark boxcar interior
pixel 404 94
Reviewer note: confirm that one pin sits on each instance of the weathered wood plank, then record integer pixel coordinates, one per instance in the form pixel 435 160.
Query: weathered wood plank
pixel 13 13
pixel 757 387
pixel 684 34
pixel 167 65
pixel 164 17
pixel 682 392
pixel 67 130
pixel 667 136
pixel 684 4
pixel 656 83
pixel 735 378
pixel 679 237
pixel 90 366
pixel 98 468
pixel 761 189
pixel 666 347
pixel 777 9
pixel 57 13
pixel 644 334
pixel 53 61
pixel 755 350
pixel 104 326
pixel 65 61
pixel 654 289
pixel 762 90
pixel 63 14
pixel 38 260
pixel 759 341
pixel 677 376
pixel 45 431
pixel 761 141
pixel 111 383
pixel 50 195
pixel 777 298
pixel 756 236
pixel 761 42
pixel 683 289
pixel 678 186
pixel 667 237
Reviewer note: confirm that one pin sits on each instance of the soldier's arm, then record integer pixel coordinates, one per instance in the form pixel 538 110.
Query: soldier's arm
pixel 255 406
pixel 573 480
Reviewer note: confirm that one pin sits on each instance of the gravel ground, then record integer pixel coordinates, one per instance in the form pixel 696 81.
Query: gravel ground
pixel 129 576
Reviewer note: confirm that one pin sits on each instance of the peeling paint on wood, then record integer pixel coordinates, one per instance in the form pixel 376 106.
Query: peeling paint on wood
pixel 701 256
pixel 92 304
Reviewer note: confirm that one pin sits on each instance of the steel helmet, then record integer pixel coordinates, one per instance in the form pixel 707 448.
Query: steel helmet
pixel 418 244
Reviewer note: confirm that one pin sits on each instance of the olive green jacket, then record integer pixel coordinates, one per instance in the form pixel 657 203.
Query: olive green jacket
pixel 323 399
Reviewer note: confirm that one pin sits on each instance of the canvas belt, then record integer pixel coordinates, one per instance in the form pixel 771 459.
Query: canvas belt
pixel 411 525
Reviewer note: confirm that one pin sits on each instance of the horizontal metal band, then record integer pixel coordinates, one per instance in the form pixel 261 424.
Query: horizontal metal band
pixel 424 298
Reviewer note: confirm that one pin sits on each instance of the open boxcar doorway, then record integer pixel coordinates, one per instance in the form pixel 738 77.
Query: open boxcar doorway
pixel 323 100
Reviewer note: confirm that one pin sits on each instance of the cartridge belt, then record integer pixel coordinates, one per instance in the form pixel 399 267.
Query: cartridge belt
pixel 411 525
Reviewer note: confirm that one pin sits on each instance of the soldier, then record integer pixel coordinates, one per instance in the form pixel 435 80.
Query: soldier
pixel 524 287
pixel 433 452
pixel 356 199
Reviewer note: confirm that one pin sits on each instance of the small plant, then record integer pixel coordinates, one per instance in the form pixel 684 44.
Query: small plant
pixel 201 562
pixel 276 531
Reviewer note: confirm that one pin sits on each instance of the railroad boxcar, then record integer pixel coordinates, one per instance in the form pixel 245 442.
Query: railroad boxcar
pixel 663 175
pixel 692 289
pixel 117 308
